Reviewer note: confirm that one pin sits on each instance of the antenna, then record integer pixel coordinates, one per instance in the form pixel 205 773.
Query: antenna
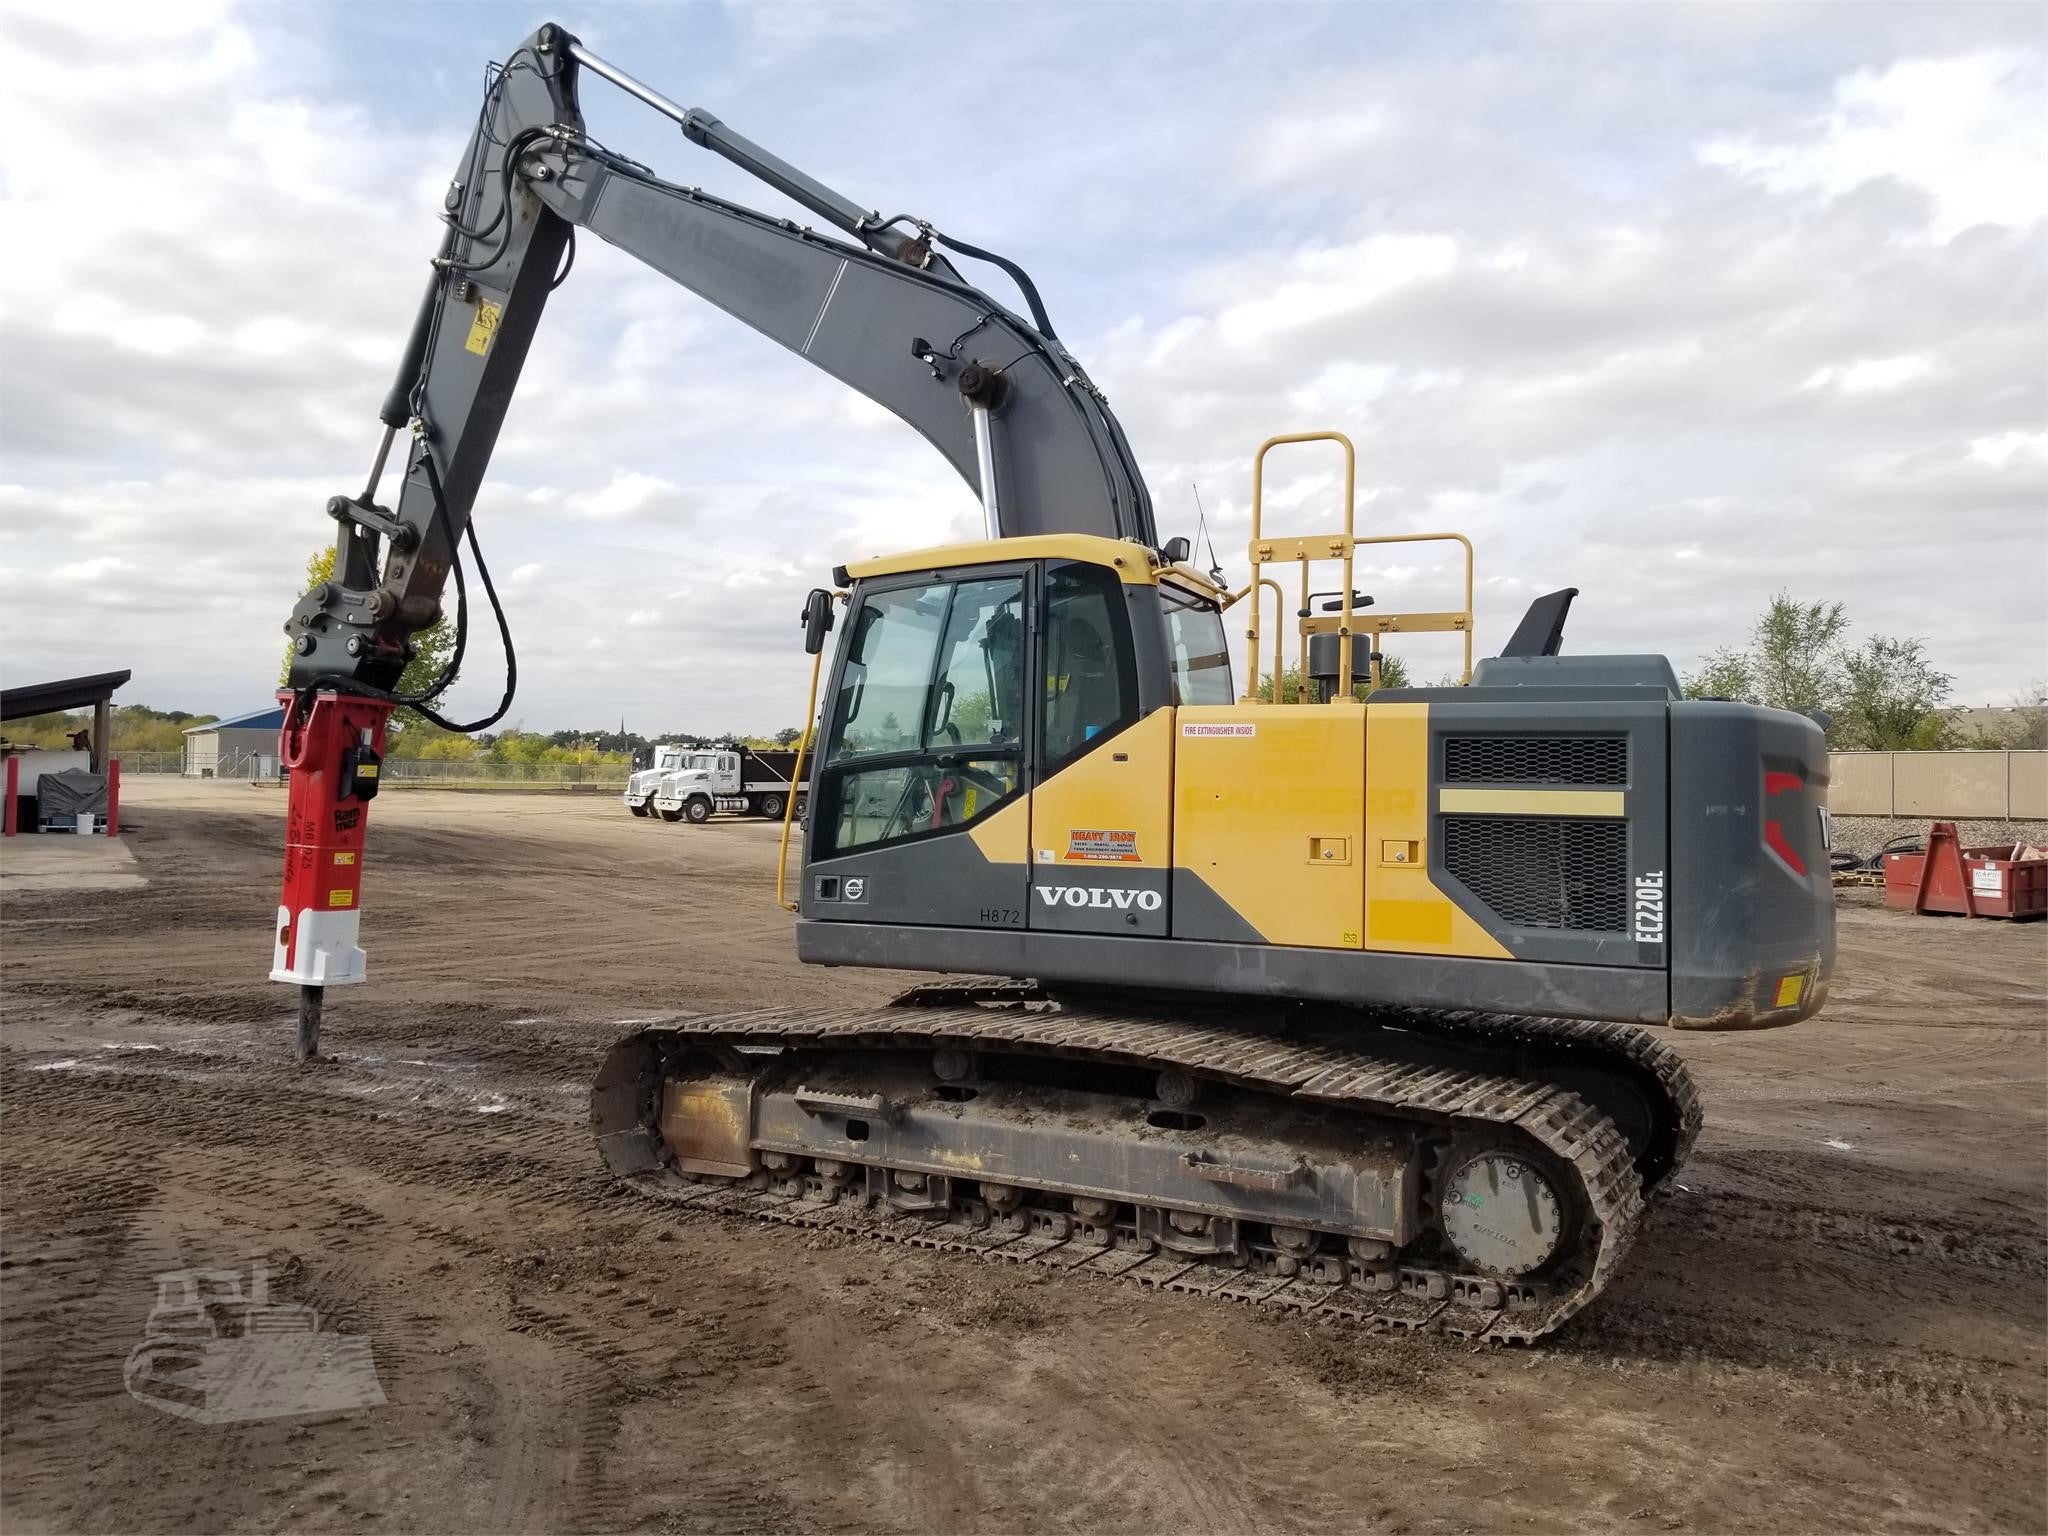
pixel 1202 530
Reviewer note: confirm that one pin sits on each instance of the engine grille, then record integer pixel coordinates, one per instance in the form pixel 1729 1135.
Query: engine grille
pixel 1536 760
pixel 1568 872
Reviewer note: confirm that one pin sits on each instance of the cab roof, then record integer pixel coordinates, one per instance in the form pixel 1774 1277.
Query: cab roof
pixel 1135 564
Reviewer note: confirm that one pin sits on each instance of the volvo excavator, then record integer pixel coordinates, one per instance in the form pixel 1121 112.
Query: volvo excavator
pixel 1303 993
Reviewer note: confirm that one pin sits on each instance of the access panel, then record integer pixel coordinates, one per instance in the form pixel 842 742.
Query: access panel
pixel 1269 818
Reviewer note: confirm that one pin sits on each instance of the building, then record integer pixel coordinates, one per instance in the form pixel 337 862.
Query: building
pixel 242 747
pixel 20 801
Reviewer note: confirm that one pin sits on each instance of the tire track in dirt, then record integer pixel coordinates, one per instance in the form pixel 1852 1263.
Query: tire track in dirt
pixel 1810 1337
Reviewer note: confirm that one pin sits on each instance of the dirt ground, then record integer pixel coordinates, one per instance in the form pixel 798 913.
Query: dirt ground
pixel 1836 1322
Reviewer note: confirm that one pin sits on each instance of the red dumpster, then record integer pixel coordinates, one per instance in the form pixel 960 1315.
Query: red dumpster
pixel 1974 882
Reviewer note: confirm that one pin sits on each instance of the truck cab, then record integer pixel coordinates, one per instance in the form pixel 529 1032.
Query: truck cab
pixel 733 779
pixel 697 784
pixel 641 785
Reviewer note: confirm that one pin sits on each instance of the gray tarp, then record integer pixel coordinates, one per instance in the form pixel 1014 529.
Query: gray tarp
pixel 73 792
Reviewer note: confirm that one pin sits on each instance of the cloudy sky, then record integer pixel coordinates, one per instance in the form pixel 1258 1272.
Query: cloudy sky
pixel 1679 305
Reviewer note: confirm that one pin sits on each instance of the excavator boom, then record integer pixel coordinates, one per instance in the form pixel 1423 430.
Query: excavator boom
pixel 996 394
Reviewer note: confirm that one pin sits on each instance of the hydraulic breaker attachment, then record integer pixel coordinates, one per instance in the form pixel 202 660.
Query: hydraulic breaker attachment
pixel 333 750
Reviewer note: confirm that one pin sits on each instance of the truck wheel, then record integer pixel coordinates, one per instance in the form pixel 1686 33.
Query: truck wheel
pixel 771 807
pixel 803 805
pixel 698 810
pixel 642 809
pixel 668 815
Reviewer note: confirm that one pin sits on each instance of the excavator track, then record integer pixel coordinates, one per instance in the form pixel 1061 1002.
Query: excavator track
pixel 1519 1044
pixel 1446 1108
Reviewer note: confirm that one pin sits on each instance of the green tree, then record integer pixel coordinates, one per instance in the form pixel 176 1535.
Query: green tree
pixel 2027 729
pixel 1794 660
pixel 431 646
pixel 1885 695
pixel 1393 674
pixel 1724 675
pixel 425 739
pixel 1892 698
pixel 134 727
pixel 1796 651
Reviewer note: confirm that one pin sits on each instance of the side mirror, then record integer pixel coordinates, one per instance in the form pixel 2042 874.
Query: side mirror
pixel 817 620
pixel 1175 551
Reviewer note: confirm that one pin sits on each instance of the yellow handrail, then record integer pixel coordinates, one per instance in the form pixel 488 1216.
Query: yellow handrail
pixel 1339 548
pixel 796 780
pixel 1424 538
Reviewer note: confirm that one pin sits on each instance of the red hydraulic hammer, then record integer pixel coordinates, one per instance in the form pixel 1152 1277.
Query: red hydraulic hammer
pixel 333 750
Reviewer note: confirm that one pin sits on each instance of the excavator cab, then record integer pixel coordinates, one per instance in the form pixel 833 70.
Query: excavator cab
pixel 969 682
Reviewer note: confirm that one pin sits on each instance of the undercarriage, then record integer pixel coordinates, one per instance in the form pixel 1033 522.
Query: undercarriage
pixel 1479 1174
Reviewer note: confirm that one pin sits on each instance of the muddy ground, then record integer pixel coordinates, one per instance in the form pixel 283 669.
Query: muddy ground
pixel 1837 1322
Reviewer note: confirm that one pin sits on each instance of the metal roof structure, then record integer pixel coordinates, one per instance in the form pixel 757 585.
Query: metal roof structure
pixel 270 719
pixel 65 693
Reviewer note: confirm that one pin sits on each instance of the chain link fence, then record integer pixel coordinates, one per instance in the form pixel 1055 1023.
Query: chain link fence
pixel 405 772
pixel 439 773
pixel 150 762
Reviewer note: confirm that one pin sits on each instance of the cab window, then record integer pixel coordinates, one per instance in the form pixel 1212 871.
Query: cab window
pixel 1090 679
pixel 926 725
pixel 1198 647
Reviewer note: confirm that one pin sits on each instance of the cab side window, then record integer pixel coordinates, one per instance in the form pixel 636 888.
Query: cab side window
pixel 1090 678
pixel 1198 648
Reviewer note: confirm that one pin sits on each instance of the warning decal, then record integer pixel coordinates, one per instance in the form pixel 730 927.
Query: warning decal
pixel 484 327
pixel 1194 728
pixel 1107 847
pixel 341 898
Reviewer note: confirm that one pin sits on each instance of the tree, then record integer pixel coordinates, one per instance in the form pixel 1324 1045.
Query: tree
pixel 431 646
pixel 134 727
pixel 789 736
pixel 2027 729
pixel 1892 699
pixel 1724 675
pixel 1796 651
pixel 1393 674
pixel 1885 695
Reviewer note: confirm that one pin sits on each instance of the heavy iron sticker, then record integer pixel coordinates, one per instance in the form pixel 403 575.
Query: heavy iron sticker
pixel 1103 847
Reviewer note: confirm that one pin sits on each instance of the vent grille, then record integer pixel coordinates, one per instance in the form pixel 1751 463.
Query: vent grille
pixel 1536 760
pixel 1567 872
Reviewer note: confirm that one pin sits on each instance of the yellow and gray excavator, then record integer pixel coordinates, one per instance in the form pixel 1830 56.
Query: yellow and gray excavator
pixel 1304 992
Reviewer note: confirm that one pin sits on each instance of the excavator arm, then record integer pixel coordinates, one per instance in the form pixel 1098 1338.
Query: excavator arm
pixel 885 312
pixel 996 393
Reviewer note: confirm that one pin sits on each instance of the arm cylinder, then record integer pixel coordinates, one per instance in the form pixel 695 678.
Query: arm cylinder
pixel 702 129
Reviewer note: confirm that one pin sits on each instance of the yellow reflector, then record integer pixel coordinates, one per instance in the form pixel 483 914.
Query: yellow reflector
pixel 1790 990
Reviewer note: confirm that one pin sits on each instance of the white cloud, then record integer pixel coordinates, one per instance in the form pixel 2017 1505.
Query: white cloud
pixel 1318 284
pixel 1493 251
pixel 630 495
pixel 1869 375
pixel 1966 131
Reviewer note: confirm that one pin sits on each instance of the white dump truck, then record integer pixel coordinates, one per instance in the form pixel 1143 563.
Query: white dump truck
pixel 734 779
pixel 640 787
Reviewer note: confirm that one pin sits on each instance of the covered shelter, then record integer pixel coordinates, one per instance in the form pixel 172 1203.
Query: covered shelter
pixel 95 692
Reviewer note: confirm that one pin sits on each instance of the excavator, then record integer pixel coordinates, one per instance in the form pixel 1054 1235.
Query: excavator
pixel 1309 993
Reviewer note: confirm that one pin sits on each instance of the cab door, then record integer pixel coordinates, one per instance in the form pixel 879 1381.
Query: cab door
pixel 919 812
pixel 1102 805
